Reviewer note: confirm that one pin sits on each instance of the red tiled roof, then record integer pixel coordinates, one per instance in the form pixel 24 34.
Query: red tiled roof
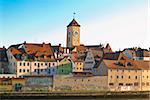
pixel 38 49
pixel 113 64
pixel 142 64
pixel 15 51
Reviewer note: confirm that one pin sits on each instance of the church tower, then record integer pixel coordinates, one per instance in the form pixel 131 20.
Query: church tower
pixel 73 34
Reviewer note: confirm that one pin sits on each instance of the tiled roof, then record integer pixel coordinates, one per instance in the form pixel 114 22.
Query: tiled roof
pixel 114 64
pixel 146 53
pixel 142 64
pixel 93 46
pixel 38 49
pixel 112 55
pixel 57 48
pixel 73 23
pixel 15 51
pixel 81 48
pixel 32 51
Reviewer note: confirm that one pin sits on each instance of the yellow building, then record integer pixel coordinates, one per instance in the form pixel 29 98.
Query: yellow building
pixel 78 67
pixel 11 84
pixel 5 84
pixel 73 34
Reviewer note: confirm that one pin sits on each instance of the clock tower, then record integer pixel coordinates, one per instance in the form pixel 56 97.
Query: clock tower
pixel 73 34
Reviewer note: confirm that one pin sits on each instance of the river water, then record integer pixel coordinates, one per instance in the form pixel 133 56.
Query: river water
pixel 79 98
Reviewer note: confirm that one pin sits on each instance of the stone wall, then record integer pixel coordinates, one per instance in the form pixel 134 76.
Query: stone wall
pixel 68 82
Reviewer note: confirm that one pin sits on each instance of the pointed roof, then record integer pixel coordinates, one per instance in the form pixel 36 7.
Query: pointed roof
pixel 73 23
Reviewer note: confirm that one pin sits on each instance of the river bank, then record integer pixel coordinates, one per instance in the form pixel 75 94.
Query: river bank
pixel 73 95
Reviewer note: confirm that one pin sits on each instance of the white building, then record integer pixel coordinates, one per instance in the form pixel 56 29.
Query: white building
pixel 31 59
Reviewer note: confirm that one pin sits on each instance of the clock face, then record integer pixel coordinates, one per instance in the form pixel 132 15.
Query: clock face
pixel 76 34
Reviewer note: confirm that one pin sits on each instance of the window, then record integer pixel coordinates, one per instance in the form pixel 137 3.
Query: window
pixel 20 70
pixel 34 64
pixel 53 70
pixel 135 77
pixel 143 84
pixel 53 64
pixel 128 84
pixel 117 76
pixel 110 76
pixel 68 39
pixel 49 71
pixel 120 84
pixel 62 70
pixel 24 70
pixel 122 77
pixel 147 77
pixel 41 64
pixel 34 70
pixel 27 64
pixel 136 84
pixel 38 65
pixel 24 64
pixel 20 64
pixel 129 77
pixel 49 64
pixel 45 64
pixel 38 71
pixel 41 70
pixel 147 83
pixel 27 70
pixel 122 70
pixel 111 84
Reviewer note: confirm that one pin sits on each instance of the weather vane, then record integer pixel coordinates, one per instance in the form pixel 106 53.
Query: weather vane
pixel 74 15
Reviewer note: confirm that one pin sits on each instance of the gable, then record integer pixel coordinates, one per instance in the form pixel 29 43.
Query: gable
pixel 89 57
pixel 64 61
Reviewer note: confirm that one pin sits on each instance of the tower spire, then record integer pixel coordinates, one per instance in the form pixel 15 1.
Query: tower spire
pixel 74 15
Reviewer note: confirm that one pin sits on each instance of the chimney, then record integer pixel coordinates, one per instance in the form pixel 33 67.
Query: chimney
pixel 24 42
pixel 4 47
pixel 44 45
pixel 59 45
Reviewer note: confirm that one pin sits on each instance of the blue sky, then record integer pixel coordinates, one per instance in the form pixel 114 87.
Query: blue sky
pixel 122 23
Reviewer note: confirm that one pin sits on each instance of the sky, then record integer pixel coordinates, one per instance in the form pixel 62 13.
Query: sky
pixel 121 23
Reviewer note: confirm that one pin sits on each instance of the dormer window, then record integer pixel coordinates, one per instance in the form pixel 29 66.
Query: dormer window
pixel 129 64
pixel 122 58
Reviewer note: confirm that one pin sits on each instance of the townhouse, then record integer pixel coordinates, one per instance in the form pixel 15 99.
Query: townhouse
pixel 31 59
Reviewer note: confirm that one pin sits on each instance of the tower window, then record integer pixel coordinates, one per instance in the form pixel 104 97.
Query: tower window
pixel 68 39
